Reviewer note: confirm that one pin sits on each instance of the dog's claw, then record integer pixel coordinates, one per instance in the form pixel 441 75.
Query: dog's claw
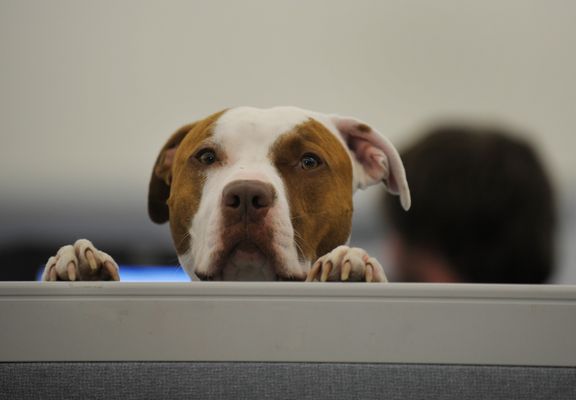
pixel 314 271
pixel 112 270
pixel 80 262
pixel 347 264
pixel 369 273
pixel 53 275
pixel 71 271
pixel 326 269
pixel 89 254
pixel 346 268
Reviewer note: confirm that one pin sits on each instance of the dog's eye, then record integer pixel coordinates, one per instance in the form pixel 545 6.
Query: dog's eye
pixel 310 161
pixel 206 156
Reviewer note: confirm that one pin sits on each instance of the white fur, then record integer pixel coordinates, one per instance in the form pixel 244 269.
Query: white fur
pixel 246 136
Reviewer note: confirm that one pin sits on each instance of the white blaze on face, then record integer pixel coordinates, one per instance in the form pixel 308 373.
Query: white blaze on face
pixel 245 135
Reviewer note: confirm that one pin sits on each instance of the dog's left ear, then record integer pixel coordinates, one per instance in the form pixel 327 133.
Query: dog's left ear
pixel 159 189
pixel 377 158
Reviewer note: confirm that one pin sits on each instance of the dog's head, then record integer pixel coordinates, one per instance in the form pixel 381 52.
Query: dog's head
pixel 260 194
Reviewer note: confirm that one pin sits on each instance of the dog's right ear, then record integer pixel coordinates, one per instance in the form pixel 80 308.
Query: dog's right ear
pixel 159 189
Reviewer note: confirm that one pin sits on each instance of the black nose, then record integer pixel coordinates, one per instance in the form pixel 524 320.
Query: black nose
pixel 247 198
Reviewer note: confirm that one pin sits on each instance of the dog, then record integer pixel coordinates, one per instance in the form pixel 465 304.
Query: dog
pixel 260 195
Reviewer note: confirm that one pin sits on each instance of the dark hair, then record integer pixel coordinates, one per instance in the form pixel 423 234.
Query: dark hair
pixel 481 199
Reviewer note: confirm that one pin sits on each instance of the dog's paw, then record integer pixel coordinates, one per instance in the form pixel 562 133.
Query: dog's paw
pixel 80 262
pixel 347 264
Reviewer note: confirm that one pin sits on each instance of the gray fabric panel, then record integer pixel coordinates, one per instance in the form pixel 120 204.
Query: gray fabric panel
pixel 208 381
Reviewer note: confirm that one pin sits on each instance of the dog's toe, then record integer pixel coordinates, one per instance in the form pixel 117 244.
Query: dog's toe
pixel 81 261
pixel 62 266
pixel 347 264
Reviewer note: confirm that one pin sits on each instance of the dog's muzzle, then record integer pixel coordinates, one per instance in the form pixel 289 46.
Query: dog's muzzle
pixel 247 252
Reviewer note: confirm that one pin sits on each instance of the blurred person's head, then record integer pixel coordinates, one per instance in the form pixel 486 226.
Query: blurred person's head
pixel 483 210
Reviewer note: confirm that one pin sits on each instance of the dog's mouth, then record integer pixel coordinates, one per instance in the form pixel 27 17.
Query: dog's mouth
pixel 248 262
pixel 245 261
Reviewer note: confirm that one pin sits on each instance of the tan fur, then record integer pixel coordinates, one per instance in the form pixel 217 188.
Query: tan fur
pixel 183 177
pixel 159 188
pixel 320 199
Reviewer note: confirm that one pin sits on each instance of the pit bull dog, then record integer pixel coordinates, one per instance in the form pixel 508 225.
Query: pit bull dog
pixel 260 195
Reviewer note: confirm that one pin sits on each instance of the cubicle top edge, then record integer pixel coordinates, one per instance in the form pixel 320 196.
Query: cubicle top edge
pixel 291 289
pixel 288 322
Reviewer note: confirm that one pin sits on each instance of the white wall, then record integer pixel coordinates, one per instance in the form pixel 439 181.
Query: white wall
pixel 90 90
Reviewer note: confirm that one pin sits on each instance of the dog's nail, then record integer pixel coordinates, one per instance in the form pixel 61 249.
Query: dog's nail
pixel 326 271
pixel 53 275
pixel 71 268
pixel 112 270
pixel 369 273
pixel 346 268
pixel 91 260
pixel 314 271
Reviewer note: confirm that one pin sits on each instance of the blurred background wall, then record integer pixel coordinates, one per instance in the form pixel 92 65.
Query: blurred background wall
pixel 90 90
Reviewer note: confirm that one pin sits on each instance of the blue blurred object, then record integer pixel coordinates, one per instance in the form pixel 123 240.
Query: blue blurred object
pixel 147 273
pixel 152 273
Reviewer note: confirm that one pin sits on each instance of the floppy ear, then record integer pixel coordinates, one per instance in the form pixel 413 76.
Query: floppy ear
pixel 159 189
pixel 377 157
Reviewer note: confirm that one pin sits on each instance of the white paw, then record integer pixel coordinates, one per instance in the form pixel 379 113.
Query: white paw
pixel 347 264
pixel 80 262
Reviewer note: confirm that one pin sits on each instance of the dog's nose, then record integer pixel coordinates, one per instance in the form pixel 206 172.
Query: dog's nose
pixel 248 198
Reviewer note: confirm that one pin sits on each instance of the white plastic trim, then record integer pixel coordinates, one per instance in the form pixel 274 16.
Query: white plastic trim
pixel 285 321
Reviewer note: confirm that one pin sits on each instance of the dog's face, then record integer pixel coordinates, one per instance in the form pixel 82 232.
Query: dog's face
pixel 255 194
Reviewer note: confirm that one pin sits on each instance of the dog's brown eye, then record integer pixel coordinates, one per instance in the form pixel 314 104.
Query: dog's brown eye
pixel 206 156
pixel 310 161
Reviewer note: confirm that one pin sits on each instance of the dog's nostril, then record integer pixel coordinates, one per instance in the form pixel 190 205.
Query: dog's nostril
pixel 260 202
pixel 232 201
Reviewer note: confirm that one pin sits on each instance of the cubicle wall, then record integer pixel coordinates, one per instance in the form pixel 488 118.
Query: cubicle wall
pixel 288 340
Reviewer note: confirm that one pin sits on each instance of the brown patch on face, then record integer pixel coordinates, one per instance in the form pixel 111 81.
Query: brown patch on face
pixel 363 128
pixel 187 181
pixel 320 198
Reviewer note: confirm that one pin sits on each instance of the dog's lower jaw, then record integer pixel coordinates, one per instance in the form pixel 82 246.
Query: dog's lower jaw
pixel 249 273
pixel 247 263
pixel 247 267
